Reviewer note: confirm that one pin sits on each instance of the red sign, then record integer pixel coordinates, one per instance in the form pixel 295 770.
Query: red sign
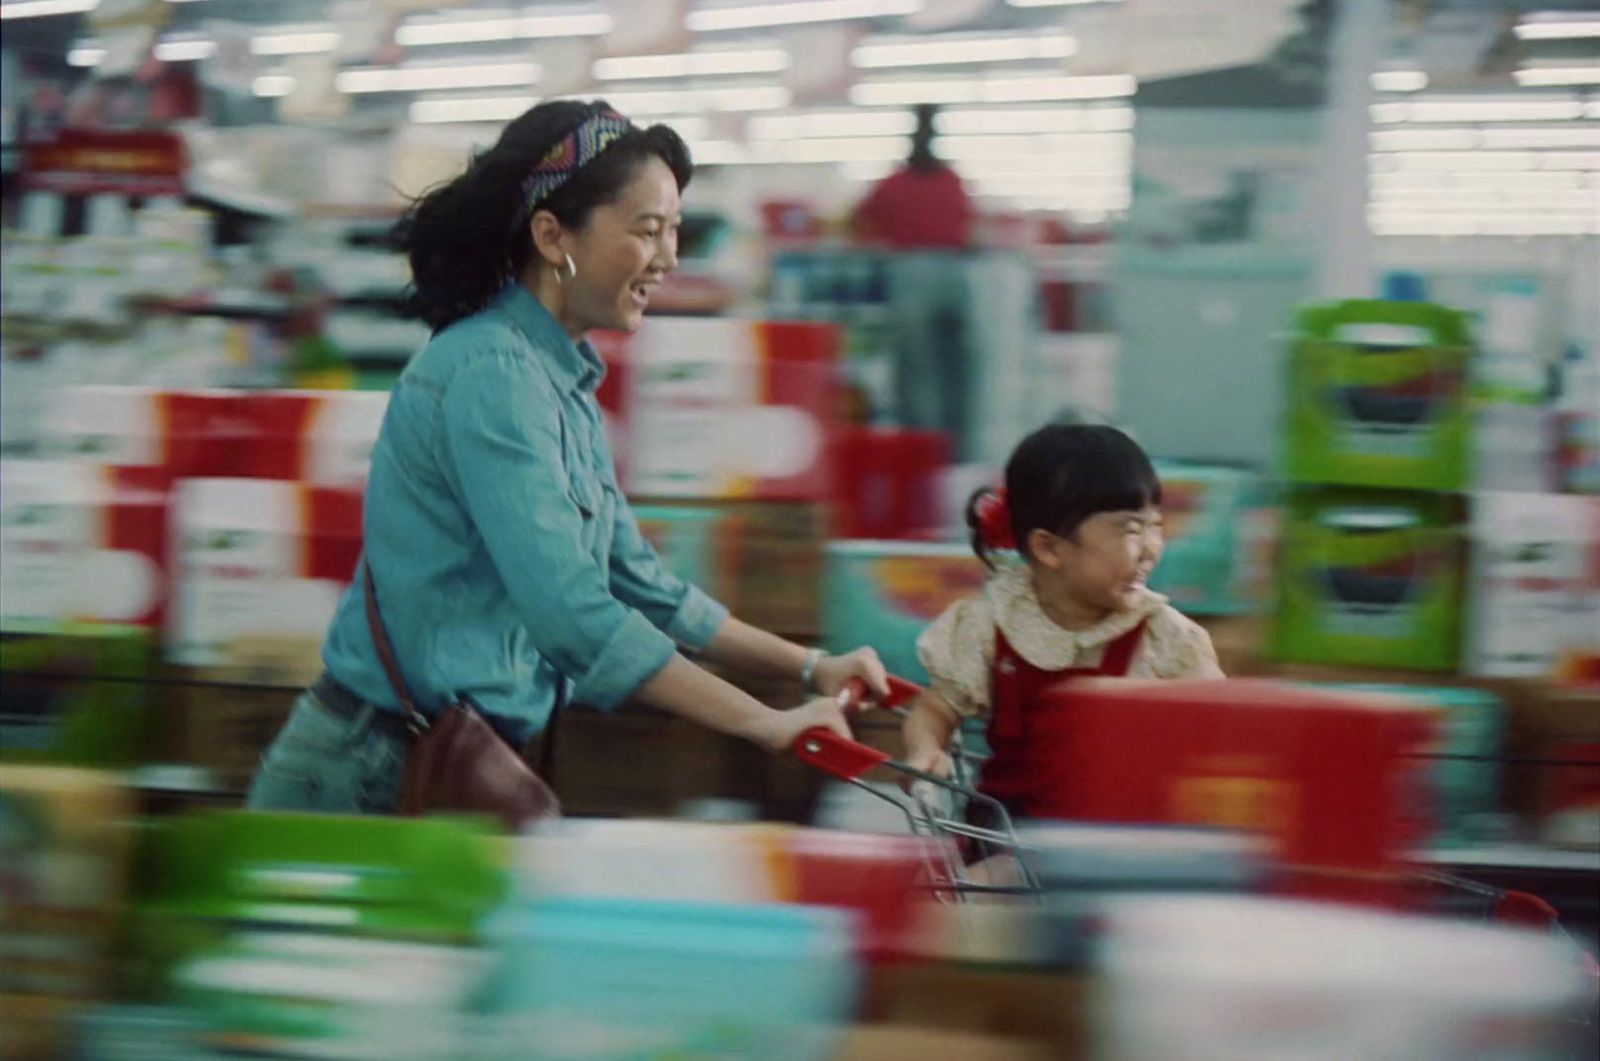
pixel 136 164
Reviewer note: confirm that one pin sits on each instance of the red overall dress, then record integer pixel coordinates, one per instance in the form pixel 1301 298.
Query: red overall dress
pixel 1015 685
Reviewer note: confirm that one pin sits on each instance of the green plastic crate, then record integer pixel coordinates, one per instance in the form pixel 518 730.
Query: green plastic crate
pixel 1370 578
pixel 1378 395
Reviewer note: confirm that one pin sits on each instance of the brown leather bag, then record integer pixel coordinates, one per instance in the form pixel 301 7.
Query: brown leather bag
pixel 458 763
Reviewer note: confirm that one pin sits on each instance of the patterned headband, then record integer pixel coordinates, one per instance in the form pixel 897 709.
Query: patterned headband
pixel 573 152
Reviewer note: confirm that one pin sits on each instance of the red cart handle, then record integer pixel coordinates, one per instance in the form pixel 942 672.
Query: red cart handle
pixel 843 758
pixel 853 695
pixel 838 756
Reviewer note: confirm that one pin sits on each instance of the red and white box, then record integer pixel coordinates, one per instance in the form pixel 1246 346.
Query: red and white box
pixel 82 542
pixel 322 437
pixel 1333 780
pixel 257 559
pixel 720 408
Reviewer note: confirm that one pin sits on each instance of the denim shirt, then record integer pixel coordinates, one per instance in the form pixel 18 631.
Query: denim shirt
pixel 508 564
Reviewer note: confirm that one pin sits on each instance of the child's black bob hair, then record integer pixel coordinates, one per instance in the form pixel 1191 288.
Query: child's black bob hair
pixel 470 237
pixel 1060 476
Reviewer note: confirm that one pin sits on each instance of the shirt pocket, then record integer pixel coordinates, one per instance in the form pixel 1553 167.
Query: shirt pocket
pixel 587 496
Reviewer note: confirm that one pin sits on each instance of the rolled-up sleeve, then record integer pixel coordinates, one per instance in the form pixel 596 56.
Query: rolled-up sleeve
pixel 501 417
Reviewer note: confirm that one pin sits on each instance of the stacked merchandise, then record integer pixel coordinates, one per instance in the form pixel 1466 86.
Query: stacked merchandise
pixel 1219 530
pixel 223 524
pixel 64 850
pixel 934 342
pixel 1378 449
pixel 729 429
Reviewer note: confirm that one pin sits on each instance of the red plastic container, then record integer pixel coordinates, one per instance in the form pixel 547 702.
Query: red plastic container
pixel 888 482
pixel 1332 779
pixel 876 876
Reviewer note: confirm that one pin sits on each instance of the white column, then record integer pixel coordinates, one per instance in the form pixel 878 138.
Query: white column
pixel 1360 32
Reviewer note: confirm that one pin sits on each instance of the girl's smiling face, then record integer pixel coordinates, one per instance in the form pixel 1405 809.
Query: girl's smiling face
pixel 1103 567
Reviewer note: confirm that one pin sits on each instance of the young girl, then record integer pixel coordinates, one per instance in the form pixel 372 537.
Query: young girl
pixel 1081 508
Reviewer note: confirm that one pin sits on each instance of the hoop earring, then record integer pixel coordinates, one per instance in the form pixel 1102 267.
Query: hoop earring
pixel 572 268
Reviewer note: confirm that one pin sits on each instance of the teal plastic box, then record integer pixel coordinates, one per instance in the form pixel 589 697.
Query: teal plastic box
pixel 607 978
pixel 1218 527
pixel 1466 774
pixel 689 542
pixel 884 594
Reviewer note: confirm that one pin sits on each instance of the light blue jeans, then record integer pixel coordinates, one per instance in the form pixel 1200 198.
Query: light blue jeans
pixel 324 763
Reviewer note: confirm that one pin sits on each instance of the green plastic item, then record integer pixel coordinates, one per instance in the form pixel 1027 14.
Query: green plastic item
pixel 75 694
pixel 1379 395
pixel 199 878
pixel 1370 578
pixel 1466 774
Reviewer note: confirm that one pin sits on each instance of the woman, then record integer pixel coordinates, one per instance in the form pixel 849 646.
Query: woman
pixel 507 563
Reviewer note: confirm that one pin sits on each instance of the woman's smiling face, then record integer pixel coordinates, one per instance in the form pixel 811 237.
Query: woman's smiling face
pixel 623 251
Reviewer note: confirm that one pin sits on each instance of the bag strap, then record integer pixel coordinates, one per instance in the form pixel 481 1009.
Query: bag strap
pixel 391 665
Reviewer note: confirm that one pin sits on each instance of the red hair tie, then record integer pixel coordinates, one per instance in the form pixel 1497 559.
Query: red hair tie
pixel 994 520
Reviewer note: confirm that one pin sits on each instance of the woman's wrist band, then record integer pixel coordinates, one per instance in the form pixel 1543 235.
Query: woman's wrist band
pixel 808 670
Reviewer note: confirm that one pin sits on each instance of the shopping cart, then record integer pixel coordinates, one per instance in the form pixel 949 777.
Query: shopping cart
pixel 972 846
pixel 968 831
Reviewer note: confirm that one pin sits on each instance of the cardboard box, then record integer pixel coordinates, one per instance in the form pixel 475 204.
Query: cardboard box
pixel 885 594
pixel 1378 396
pixel 775 553
pixel 82 543
pixel 258 558
pixel 64 848
pixel 1531 559
pixel 321 437
pixel 721 408
pixel 1369 578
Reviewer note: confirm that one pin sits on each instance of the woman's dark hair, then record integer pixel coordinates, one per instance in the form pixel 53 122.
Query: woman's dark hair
pixel 466 239
pixel 1060 476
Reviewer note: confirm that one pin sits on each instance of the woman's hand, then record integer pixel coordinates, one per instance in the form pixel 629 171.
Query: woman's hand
pixel 833 671
pixel 785 727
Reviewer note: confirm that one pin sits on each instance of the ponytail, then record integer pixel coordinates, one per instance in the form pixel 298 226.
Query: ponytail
pixel 989 521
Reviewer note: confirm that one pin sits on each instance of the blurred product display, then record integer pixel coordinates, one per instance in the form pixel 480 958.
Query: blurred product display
pixel 1334 265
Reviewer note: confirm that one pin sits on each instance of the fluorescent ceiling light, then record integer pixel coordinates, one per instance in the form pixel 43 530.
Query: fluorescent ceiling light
pixel 821 124
pixel 185 51
pixel 421 78
pixel 1491 181
pixel 85 55
pixel 1066 119
pixel 575 23
pixel 1054 3
pixel 991 90
pixel 1399 80
pixel 1559 26
pixel 1535 76
pixel 1558 136
pixel 1485 109
pixel 692 64
pixel 298 42
pixel 273 86
pixel 953 49
pixel 476 109
pixel 795 12
pixel 42 8
pixel 1423 139
pixel 702 100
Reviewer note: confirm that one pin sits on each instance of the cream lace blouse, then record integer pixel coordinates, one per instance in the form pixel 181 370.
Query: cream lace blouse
pixel 958 649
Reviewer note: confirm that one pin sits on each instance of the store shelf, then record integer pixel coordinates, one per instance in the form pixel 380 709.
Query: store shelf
pixel 1515 857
